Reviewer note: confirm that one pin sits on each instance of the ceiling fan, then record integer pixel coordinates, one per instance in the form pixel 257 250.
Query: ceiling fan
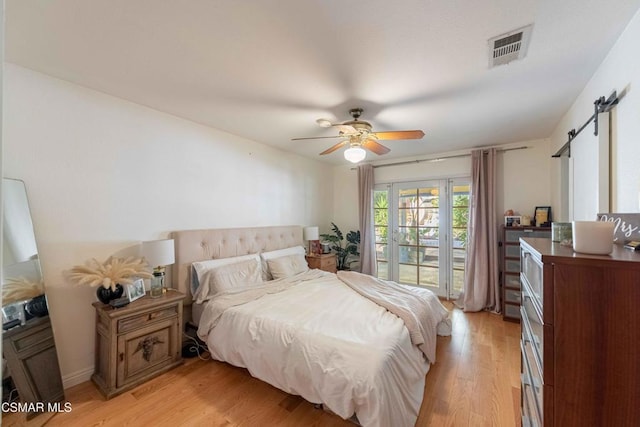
pixel 358 135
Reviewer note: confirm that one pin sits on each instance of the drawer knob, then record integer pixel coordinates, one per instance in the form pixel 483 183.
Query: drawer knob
pixel 152 316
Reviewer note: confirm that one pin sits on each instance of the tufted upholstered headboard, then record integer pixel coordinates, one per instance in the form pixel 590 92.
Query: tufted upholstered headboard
pixel 199 245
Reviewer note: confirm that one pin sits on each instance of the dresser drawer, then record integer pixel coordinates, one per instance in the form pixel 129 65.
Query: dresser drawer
pixel 515 234
pixel 512 265
pixel 532 275
pixel 140 320
pixel 531 380
pixel 512 311
pixel 512 295
pixel 530 417
pixel 512 281
pixel 512 251
pixel 533 326
pixel 530 366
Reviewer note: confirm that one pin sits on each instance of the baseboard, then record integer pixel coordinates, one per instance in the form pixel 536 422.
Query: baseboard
pixel 77 378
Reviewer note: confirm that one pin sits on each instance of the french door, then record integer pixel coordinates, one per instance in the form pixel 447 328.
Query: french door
pixel 421 233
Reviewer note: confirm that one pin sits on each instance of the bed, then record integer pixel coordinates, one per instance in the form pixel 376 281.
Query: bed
pixel 310 333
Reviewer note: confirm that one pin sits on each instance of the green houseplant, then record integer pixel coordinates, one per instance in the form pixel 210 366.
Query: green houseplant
pixel 346 252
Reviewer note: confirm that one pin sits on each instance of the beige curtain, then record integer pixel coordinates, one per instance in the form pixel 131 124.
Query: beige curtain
pixel 481 288
pixel 365 212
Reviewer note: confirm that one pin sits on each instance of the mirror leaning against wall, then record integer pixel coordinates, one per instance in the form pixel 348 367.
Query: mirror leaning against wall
pixel 30 370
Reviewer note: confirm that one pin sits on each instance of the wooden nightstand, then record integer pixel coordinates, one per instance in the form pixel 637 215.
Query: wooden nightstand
pixel 33 363
pixel 137 342
pixel 326 262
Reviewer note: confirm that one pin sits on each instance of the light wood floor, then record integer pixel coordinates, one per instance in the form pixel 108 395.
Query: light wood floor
pixel 475 382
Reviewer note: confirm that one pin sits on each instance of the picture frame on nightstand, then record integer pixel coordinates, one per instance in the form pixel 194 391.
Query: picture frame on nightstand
pixel 135 290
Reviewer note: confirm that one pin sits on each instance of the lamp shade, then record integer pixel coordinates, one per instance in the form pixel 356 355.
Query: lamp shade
pixel 310 233
pixel 159 253
pixel 355 154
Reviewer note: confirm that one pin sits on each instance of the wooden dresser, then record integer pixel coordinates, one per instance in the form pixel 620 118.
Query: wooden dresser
pixel 137 342
pixel 510 266
pixel 580 336
pixel 326 262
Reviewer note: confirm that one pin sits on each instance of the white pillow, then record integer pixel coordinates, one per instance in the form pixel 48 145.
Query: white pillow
pixel 213 276
pixel 278 254
pixel 287 266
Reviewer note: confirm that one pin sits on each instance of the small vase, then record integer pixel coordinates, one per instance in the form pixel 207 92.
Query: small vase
pixel 37 307
pixel 106 294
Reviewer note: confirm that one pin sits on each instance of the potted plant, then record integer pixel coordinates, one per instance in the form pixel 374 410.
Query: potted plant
pixel 345 251
pixel 110 275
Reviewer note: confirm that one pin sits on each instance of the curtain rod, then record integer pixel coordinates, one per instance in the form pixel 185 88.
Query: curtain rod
pixel 438 159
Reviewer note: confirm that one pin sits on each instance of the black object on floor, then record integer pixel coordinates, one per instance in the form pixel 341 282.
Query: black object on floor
pixel 189 350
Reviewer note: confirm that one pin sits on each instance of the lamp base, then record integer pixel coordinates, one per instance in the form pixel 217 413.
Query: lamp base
pixel 156 287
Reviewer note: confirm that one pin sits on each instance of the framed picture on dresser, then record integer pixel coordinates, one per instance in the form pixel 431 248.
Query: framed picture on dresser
pixel 542 216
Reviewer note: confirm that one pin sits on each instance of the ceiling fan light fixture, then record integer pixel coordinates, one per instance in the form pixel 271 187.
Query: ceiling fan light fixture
pixel 324 123
pixel 355 154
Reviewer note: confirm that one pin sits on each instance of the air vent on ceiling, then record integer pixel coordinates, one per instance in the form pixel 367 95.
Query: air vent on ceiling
pixel 510 46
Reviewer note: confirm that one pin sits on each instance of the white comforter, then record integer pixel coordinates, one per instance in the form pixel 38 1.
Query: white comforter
pixel 313 336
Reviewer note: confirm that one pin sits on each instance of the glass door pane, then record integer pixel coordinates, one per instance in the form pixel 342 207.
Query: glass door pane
pixel 459 224
pixel 381 226
pixel 417 242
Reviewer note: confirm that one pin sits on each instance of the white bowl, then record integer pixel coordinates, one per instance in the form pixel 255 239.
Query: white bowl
pixel 593 237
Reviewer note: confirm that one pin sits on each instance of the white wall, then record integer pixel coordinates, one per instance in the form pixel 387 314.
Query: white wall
pixel 523 180
pixel 619 71
pixel 103 174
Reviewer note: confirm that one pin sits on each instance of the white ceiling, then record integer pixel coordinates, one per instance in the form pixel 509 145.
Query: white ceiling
pixel 267 69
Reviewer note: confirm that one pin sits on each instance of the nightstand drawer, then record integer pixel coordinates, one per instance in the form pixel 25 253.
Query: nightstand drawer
pixel 42 338
pixel 329 262
pixel 326 262
pixel 141 320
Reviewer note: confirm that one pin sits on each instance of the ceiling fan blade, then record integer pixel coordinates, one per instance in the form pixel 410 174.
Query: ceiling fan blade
pixel 400 134
pixel 316 137
pixel 334 148
pixel 375 147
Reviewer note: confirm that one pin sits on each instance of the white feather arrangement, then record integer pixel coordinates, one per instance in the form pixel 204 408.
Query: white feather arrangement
pixel 19 289
pixel 109 273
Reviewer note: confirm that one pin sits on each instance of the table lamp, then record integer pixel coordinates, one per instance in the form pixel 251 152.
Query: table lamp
pixel 311 234
pixel 159 254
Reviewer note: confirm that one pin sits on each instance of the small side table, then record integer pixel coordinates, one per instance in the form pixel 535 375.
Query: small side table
pixel 326 262
pixel 137 342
